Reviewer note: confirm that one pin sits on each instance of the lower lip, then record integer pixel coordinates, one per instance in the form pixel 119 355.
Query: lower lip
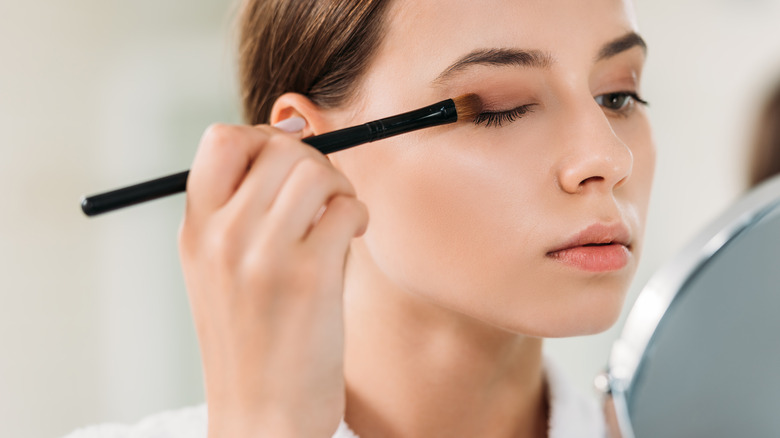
pixel 604 258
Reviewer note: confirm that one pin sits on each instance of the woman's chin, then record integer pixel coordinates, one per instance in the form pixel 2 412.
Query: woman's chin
pixel 573 318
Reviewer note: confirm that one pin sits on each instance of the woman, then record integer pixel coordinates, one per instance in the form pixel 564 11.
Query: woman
pixel 485 237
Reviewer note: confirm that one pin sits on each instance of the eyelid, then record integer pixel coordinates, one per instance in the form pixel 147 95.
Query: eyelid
pixel 632 93
pixel 496 118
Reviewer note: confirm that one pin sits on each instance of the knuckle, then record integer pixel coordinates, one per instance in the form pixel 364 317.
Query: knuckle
pixel 219 134
pixel 223 138
pixel 276 146
pixel 338 182
pixel 362 213
pixel 352 209
pixel 339 203
pixel 293 151
pixel 346 204
pixel 346 184
pixel 305 150
pixel 281 140
pixel 314 171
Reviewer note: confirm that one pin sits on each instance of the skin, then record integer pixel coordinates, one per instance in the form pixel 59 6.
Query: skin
pixel 450 288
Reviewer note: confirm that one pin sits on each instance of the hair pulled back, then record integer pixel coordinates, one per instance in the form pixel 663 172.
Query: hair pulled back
pixel 765 159
pixel 318 48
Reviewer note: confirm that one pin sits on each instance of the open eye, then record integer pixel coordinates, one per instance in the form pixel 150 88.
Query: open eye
pixel 619 102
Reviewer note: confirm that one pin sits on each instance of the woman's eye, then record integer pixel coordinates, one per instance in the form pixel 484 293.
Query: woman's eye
pixel 498 118
pixel 620 102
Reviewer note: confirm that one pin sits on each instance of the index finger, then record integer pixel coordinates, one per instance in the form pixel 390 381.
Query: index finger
pixel 225 154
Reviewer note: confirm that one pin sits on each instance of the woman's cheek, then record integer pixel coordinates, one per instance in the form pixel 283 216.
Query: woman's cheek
pixel 449 222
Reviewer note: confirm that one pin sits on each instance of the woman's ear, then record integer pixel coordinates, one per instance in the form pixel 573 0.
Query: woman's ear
pixel 297 105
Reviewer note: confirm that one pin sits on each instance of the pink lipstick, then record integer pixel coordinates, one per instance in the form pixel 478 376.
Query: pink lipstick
pixel 598 248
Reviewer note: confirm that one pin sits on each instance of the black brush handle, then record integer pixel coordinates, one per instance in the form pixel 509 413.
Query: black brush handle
pixel 135 194
pixel 433 115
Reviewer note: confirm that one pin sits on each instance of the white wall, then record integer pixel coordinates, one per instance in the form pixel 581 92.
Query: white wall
pixel 94 321
pixel 94 324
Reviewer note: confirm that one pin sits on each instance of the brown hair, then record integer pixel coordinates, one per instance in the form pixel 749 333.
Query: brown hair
pixel 318 48
pixel 765 161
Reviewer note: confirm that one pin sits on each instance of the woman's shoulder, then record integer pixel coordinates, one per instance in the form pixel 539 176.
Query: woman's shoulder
pixel 190 422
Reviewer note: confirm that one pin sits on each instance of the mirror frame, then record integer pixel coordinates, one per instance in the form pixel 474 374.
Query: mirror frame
pixel 658 295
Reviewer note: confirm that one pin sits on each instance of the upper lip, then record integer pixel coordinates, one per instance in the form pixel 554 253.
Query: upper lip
pixel 598 233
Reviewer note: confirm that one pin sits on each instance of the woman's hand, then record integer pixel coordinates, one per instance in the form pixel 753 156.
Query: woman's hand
pixel 264 267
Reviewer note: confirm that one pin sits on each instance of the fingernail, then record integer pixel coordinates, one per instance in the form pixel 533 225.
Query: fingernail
pixel 293 124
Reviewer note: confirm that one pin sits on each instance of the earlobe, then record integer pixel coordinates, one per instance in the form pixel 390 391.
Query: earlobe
pixel 297 105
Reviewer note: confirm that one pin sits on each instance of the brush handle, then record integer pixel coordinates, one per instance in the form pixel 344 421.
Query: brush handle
pixel 135 194
pixel 433 115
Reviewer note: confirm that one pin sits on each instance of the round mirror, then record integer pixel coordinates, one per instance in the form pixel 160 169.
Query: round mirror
pixel 700 352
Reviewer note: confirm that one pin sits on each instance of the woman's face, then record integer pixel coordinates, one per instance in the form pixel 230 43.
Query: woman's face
pixel 477 218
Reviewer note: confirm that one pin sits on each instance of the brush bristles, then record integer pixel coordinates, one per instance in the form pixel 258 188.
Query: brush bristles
pixel 468 107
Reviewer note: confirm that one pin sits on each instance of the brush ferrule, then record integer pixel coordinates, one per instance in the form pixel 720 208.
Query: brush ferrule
pixel 439 113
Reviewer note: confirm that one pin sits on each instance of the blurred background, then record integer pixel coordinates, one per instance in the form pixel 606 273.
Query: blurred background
pixel 94 320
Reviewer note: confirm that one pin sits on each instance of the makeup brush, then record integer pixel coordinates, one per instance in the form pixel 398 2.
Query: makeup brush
pixel 462 108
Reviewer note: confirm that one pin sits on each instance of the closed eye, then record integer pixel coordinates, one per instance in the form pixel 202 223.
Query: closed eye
pixel 498 118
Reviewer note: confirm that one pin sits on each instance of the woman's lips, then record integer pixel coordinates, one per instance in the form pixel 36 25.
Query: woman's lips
pixel 604 258
pixel 598 248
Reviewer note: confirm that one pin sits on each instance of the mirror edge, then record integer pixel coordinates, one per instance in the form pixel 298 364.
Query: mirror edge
pixel 663 287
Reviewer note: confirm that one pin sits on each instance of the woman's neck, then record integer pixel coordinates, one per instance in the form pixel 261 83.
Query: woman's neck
pixel 414 369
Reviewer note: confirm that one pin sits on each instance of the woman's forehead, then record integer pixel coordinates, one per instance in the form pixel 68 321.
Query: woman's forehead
pixel 441 31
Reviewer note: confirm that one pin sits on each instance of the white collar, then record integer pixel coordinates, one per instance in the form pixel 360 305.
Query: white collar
pixel 572 415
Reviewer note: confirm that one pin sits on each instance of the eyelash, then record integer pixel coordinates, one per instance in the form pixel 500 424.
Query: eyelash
pixel 498 118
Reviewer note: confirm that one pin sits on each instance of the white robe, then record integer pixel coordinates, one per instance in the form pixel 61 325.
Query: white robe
pixel 572 415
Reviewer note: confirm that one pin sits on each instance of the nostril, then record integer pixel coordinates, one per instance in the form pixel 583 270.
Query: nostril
pixel 591 179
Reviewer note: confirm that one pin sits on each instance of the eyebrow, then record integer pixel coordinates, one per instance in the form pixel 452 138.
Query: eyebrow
pixel 620 45
pixel 532 58
pixel 498 57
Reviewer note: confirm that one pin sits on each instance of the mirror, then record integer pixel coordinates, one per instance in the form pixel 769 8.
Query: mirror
pixel 700 352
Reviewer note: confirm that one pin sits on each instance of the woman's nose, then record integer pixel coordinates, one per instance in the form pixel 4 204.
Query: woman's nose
pixel 594 157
